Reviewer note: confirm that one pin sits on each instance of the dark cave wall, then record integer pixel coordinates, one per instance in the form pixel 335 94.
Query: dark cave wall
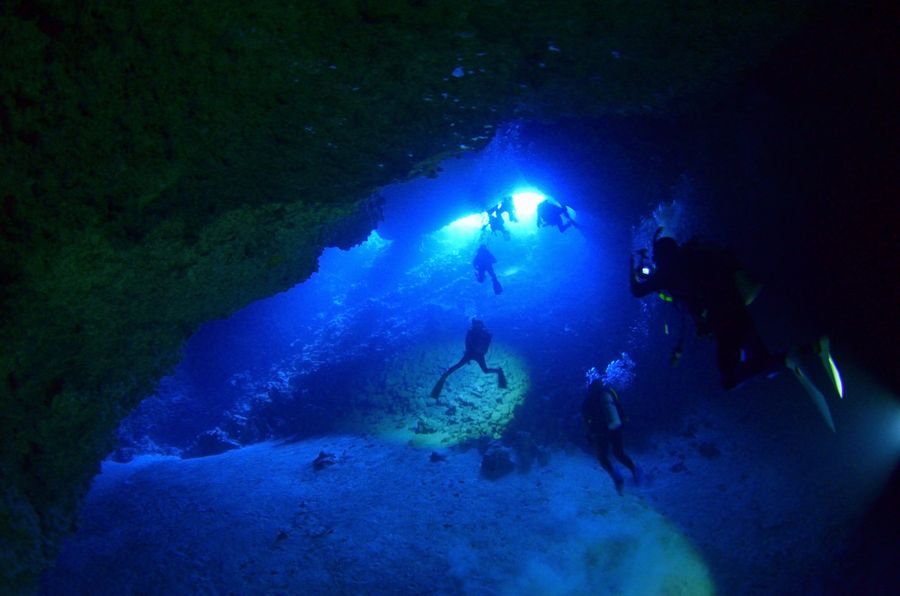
pixel 167 163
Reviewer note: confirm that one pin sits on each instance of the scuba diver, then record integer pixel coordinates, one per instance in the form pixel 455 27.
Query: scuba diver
pixel 551 213
pixel 710 284
pixel 495 224
pixel 506 205
pixel 478 340
pixel 603 417
pixel 484 263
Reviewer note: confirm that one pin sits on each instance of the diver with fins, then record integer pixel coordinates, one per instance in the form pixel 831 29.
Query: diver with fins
pixel 710 285
pixel 604 421
pixel 506 205
pixel 551 213
pixel 478 340
pixel 484 264
pixel 495 224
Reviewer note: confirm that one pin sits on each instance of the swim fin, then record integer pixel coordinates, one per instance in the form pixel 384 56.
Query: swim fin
pixel 498 289
pixel 501 380
pixel 747 287
pixel 814 394
pixel 823 349
pixel 438 387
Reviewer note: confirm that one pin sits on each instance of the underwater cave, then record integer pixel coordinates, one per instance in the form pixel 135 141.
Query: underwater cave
pixel 227 339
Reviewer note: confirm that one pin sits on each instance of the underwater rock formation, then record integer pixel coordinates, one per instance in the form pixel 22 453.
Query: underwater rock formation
pixel 497 461
pixel 211 442
pixel 165 164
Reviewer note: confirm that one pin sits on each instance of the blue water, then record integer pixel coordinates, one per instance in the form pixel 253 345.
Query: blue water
pixel 565 305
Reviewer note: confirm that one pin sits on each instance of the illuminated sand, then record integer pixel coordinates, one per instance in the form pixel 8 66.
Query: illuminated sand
pixel 382 519
pixel 399 405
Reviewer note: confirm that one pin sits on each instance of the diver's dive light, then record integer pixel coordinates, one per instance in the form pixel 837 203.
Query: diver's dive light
pixel 643 269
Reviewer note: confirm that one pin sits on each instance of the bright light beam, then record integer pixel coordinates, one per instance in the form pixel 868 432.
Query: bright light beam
pixel 469 222
pixel 526 202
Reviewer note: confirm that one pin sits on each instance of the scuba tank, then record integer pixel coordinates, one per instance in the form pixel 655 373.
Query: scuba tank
pixel 614 413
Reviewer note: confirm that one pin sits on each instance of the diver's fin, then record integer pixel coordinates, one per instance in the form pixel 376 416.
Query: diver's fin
pixel 823 349
pixel 814 394
pixel 748 288
pixel 501 380
pixel 438 387
pixel 498 289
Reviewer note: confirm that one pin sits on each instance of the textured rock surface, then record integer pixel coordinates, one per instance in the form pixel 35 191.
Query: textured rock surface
pixel 164 164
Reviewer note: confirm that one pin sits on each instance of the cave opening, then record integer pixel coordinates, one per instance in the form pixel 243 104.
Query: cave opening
pixel 335 374
pixel 373 329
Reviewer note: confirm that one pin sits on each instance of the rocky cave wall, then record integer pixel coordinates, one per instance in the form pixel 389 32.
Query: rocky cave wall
pixel 166 163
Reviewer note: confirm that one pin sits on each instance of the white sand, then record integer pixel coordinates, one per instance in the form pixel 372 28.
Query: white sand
pixel 725 508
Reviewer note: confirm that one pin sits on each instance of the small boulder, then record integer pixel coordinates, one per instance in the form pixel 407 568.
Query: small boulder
pixel 496 462
pixel 424 427
pixel 211 442
pixel 323 460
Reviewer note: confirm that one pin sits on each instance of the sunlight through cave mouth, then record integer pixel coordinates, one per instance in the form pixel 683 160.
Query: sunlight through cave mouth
pixel 359 345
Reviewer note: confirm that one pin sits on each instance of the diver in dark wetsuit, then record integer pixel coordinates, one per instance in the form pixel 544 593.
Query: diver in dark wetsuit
pixel 495 224
pixel 709 283
pixel 550 213
pixel 604 420
pixel 478 340
pixel 506 205
pixel 484 264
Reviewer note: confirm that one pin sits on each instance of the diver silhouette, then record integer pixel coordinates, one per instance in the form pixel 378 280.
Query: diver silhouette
pixel 551 213
pixel 506 205
pixel 495 224
pixel 605 422
pixel 710 284
pixel 478 340
pixel 484 264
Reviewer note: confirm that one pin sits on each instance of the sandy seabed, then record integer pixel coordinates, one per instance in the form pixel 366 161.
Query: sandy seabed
pixel 721 509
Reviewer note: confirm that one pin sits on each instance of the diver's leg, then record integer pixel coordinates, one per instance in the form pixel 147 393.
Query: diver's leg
pixel 479 275
pixel 603 458
pixel 742 353
pixel 439 386
pixel 462 362
pixel 501 377
pixel 498 289
pixel 618 448
pixel 729 328
pixel 758 359
pixel 728 356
